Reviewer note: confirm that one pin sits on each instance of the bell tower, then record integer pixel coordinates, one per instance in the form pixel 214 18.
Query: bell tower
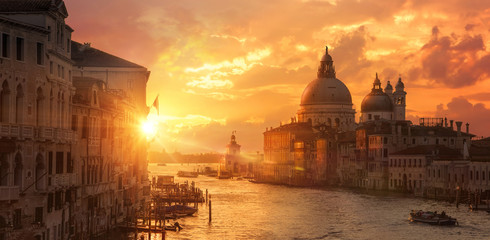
pixel 399 97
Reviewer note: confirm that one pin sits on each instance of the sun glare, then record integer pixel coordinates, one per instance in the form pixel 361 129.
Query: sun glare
pixel 149 128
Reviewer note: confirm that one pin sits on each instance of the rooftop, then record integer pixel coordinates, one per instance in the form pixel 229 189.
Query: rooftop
pixel 86 56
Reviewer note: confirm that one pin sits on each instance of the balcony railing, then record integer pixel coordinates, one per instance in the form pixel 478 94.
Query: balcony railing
pixel 9 193
pixel 64 180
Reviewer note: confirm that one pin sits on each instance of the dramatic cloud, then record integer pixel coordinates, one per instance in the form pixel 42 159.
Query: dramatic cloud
pixel 460 109
pixel 455 61
pixel 222 65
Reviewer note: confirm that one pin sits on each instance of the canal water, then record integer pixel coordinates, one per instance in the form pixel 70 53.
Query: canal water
pixel 244 210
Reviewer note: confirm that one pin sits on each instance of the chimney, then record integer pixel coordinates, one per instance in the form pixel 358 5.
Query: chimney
pixel 451 126
pixel 445 122
pixel 458 126
pixel 467 128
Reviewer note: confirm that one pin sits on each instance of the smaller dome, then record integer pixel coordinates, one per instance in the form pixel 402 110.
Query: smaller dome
pixel 377 102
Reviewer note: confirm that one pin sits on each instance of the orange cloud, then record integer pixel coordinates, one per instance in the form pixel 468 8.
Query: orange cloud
pixel 248 61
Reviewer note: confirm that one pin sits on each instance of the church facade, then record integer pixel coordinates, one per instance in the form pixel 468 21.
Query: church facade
pixel 324 144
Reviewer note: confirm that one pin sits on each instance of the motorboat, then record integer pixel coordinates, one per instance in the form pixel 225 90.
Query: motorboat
pixel 179 210
pixel 432 218
pixel 187 174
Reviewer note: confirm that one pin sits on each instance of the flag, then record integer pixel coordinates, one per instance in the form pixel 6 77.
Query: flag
pixel 156 105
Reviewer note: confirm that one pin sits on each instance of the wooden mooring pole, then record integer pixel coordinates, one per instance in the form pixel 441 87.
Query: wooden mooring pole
pixel 210 211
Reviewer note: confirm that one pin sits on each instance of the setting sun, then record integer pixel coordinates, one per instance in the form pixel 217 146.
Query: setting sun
pixel 149 128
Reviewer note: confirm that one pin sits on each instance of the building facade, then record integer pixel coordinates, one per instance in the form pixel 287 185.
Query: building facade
pixel 70 163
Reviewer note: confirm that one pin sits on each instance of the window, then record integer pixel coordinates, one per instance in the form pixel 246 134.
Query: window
pixel 438 173
pixel 483 175
pixel 462 178
pixel 437 141
pixel 69 163
pixel 385 140
pixel 40 53
pixel 51 67
pixel 50 163
pixel 369 117
pixel 49 34
pixel 85 128
pixel 413 140
pixel 19 45
pixel 74 122
pixel 50 202
pixel 455 177
pixel 63 72
pixel 59 70
pixel 5 45
pixel 449 177
pixel 59 162
pixel 476 175
pixel 68 45
pixel 471 175
pixel 95 97
pixel 38 217
pixel 17 220
pixel 103 129
pixel 57 200
pixel 404 141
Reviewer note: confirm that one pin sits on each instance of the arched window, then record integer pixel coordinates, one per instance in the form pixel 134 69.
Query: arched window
pixel 19 104
pixel 337 122
pixel 40 172
pixel 4 170
pixel 18 170
pixel 39 107
pixel 5 102
pixel 329 121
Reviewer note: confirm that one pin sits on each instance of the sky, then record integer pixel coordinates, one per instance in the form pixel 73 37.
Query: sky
pixel 225 65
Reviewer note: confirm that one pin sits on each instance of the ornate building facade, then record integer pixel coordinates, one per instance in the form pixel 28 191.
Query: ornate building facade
pixel 69 159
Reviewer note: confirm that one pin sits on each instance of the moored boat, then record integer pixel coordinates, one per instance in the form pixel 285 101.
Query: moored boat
pixel 187 174
pixel 432 218
pixel 180 210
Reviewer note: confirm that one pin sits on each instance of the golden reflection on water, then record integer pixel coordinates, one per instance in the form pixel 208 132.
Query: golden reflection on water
pixel 244 210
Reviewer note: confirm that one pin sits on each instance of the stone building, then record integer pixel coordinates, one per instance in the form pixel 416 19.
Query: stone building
pixel 304 151
pixel 37 175
pixel 65 154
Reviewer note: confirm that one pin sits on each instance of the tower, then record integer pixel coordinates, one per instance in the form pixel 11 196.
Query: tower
pixel 389 91
pixel 399 97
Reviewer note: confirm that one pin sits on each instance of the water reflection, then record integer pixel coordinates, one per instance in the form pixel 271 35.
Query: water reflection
pixel 244 210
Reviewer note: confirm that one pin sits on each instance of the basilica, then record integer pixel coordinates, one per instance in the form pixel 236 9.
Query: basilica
pixel 324 145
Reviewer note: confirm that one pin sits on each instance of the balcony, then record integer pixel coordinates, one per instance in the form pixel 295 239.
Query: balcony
pixel 64 180
pixel 8 193
pixel 46 133
pixel 16 131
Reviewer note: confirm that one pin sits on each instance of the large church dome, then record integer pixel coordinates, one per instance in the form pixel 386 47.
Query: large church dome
pixel 326 100
pixel 326 89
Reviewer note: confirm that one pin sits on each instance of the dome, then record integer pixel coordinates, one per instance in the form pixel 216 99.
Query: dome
pixel 326 91
pixel 377 102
